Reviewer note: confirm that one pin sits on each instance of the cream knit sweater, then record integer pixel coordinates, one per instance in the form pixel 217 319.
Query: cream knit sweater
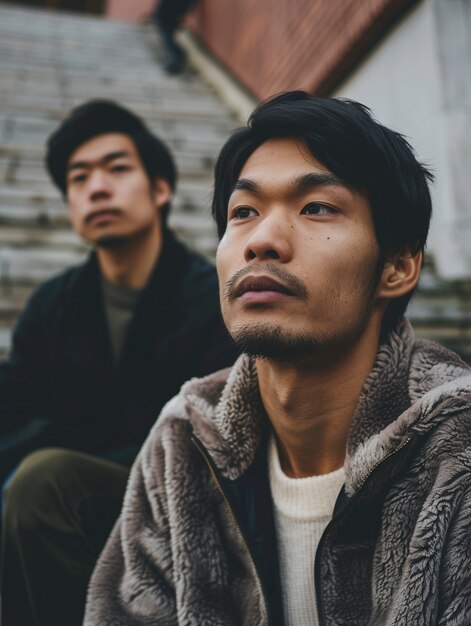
pixel 303 507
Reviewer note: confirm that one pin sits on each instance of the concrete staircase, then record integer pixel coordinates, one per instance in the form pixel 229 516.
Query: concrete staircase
pixel 441 310
pixel 52 61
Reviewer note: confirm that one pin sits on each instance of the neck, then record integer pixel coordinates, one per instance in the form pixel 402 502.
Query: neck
pixel 131 261
pixel 311 407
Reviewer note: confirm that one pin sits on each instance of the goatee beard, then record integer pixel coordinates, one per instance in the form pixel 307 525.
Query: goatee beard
pixel 275 343
pixel 112 243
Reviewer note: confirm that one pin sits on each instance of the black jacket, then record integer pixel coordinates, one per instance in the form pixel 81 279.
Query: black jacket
pixel 60 386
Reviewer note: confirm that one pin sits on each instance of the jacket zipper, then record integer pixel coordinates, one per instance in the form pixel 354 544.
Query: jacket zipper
pixel 335 518
pixel 209 462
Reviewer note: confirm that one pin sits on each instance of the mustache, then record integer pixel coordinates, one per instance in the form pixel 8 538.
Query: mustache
pixel 294 284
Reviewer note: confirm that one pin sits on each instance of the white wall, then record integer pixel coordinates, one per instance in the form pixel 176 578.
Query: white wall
pixel 402 81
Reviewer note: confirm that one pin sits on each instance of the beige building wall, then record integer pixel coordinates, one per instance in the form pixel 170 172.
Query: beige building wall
pixel 417 81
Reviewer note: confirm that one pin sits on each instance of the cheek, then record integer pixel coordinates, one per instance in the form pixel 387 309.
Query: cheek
pixel 74 216
pixel 343 268
pixel 222 259
pixel 356 283
pixel 226 267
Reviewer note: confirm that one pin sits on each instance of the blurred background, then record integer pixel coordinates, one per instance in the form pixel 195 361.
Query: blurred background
pixel 409 61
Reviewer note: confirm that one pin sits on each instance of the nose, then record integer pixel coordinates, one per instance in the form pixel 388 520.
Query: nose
pixel 98 185
pixel 271 239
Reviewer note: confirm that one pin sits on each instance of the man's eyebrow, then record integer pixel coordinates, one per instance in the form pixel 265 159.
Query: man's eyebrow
pixel 316 179
pixel 245 184
pixel 111 156
pixel 299 185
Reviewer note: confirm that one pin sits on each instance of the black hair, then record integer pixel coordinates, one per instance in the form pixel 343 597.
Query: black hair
pixel 97 117
pixel 345 138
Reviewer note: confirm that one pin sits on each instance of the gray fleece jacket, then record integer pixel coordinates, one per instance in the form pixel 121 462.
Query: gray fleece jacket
pixel 397 554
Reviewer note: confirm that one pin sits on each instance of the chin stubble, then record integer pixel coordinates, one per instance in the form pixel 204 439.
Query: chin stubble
pixel 264 341
pixel 112 243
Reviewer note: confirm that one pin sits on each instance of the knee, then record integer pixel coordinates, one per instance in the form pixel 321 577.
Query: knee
pixel 37 485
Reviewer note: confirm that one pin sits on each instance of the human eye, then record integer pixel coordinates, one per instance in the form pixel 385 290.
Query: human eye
pixel 120 167
pixel 77 178
pixel 243 212
pixel 318 208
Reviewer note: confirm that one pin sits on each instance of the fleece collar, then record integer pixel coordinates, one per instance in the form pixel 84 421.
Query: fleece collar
pixel 413 386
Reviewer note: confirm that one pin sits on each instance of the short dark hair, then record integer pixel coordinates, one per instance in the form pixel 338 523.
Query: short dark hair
pixel 343 136
pixel 97 117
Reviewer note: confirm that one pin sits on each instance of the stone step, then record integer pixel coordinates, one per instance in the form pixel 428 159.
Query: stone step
pixel 34 258
pixel 431 312
pixel 54 69
pixel 63 27
pixel 50 236
pixel 51 61
pixel 89 68
pixel 13 297
pixel 57 86
pixel 14 237
pixel 40 42
pixel 451 337
pixel 67 72
pixel 61 24
pixel 187 224
pixel 29 134
pixel 18 203
pixel 14 13
pixel 60 235
pixel 32 176
pixel 35 263
pixel 154 106
pixel 133 79
pixel 40 47
pixel 27 103
pixel 431 283
pixel 92 62
pixel 17 142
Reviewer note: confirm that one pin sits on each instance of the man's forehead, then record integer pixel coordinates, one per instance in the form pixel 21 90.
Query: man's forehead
pixel 284 162
pixel 285 156
pixel 99 147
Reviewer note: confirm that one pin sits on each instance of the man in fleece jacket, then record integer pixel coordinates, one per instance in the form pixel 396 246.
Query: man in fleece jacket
pixel 325 478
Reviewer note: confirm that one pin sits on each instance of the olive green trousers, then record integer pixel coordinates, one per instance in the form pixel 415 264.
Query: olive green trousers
pixel 60 507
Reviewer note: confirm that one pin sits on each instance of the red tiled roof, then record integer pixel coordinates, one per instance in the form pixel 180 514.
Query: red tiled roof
pixel 277 45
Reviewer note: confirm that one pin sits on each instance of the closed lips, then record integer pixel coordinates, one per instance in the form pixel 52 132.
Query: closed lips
pixel 260 283
pixel 101 213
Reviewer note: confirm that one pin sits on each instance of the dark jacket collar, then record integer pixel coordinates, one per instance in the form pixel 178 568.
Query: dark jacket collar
pixel 164 281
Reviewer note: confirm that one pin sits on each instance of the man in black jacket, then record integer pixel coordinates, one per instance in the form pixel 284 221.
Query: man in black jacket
pixel 96 354
pixel 167 17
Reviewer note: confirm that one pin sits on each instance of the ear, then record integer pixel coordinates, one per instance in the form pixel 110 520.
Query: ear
pixel 161 192
pixel 400 274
